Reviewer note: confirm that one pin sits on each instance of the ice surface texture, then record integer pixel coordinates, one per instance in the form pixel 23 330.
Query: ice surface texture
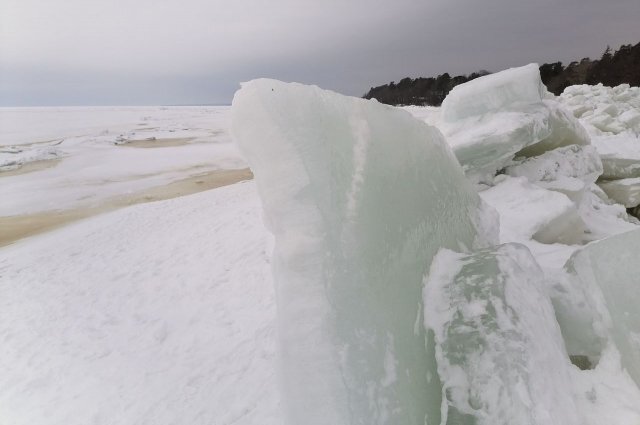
pixel 609 270
pixel 491 119
pixel 624 191
pixel 499 349
pixel 620 156
pixel 360 196
pixel 605 110
pixel 530 212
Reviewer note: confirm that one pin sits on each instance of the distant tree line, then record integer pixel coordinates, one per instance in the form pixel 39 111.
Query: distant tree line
pixel 621 66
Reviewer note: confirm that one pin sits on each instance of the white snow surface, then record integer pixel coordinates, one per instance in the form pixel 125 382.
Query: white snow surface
pixel 160 313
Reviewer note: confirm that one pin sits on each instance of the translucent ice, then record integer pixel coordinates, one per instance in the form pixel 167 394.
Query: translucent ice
pixel 360 196
pixel 624 191
pixel 494 92
pixel 499 350
pixel 620 156
pixel 530 212
pixel 609 271
pixel 491 119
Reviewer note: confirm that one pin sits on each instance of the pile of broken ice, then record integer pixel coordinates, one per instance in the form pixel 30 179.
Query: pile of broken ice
pixel 469 273
pixel 612 117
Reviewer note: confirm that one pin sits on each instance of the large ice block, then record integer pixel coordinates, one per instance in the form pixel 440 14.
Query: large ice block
pixel 499 350
pixel 620 156
pixel 491 119
pixel 609 270
pixel 494 92
pixel 485 144
pixel 574 161
pixel 624 191
pixel 360 196
pixel 530 212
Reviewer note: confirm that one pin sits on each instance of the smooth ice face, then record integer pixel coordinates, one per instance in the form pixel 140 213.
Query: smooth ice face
pixel 530 212
pixel 620 156
pixel 612 267
pixel 499 349
pixel 625 191
pixel 493 118
pixel 564 130
pixel 486 144
pixel 494 92
pixel 360 196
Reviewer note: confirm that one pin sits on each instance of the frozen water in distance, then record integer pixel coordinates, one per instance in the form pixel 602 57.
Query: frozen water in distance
pixel 499 349
pixel 360 196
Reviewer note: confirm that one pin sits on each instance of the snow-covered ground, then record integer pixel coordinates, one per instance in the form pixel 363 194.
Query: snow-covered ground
pixel 160 313
pixel 165 312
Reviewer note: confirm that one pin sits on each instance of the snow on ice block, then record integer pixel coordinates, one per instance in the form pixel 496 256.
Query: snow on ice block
pixel 489 120
pixel 612 267
pixel 528 211
pixel 575 161
pixel 499 350
pixel 620 156
pixel 486 144
pixel 624 191
pixel 360 196
pixel 564 130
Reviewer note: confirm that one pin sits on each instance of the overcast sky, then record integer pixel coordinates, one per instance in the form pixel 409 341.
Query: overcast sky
pixel 147 52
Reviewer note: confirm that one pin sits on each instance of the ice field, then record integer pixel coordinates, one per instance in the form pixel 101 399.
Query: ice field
pixel 470 264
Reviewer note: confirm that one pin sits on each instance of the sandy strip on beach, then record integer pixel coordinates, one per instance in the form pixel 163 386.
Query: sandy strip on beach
pixel 158 143
pixel 14 228
pixel 30 167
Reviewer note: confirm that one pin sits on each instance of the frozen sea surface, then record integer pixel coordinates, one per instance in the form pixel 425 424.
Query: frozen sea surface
pixel 87 155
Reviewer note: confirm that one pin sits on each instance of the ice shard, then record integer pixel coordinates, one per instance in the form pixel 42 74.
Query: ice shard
pixel 575 162
pixel 620 156
pixel 360 196
pixel 609 270
pixel 623 191
pixel 499 350
pixel 530 212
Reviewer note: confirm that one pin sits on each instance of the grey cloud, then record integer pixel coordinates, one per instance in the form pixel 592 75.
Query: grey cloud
pixel 196 51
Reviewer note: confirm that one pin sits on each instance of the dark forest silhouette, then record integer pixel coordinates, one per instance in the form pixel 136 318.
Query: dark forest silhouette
pixel 621 66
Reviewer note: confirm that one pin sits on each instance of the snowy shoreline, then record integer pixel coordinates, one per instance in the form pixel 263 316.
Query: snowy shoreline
pixel 164 311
